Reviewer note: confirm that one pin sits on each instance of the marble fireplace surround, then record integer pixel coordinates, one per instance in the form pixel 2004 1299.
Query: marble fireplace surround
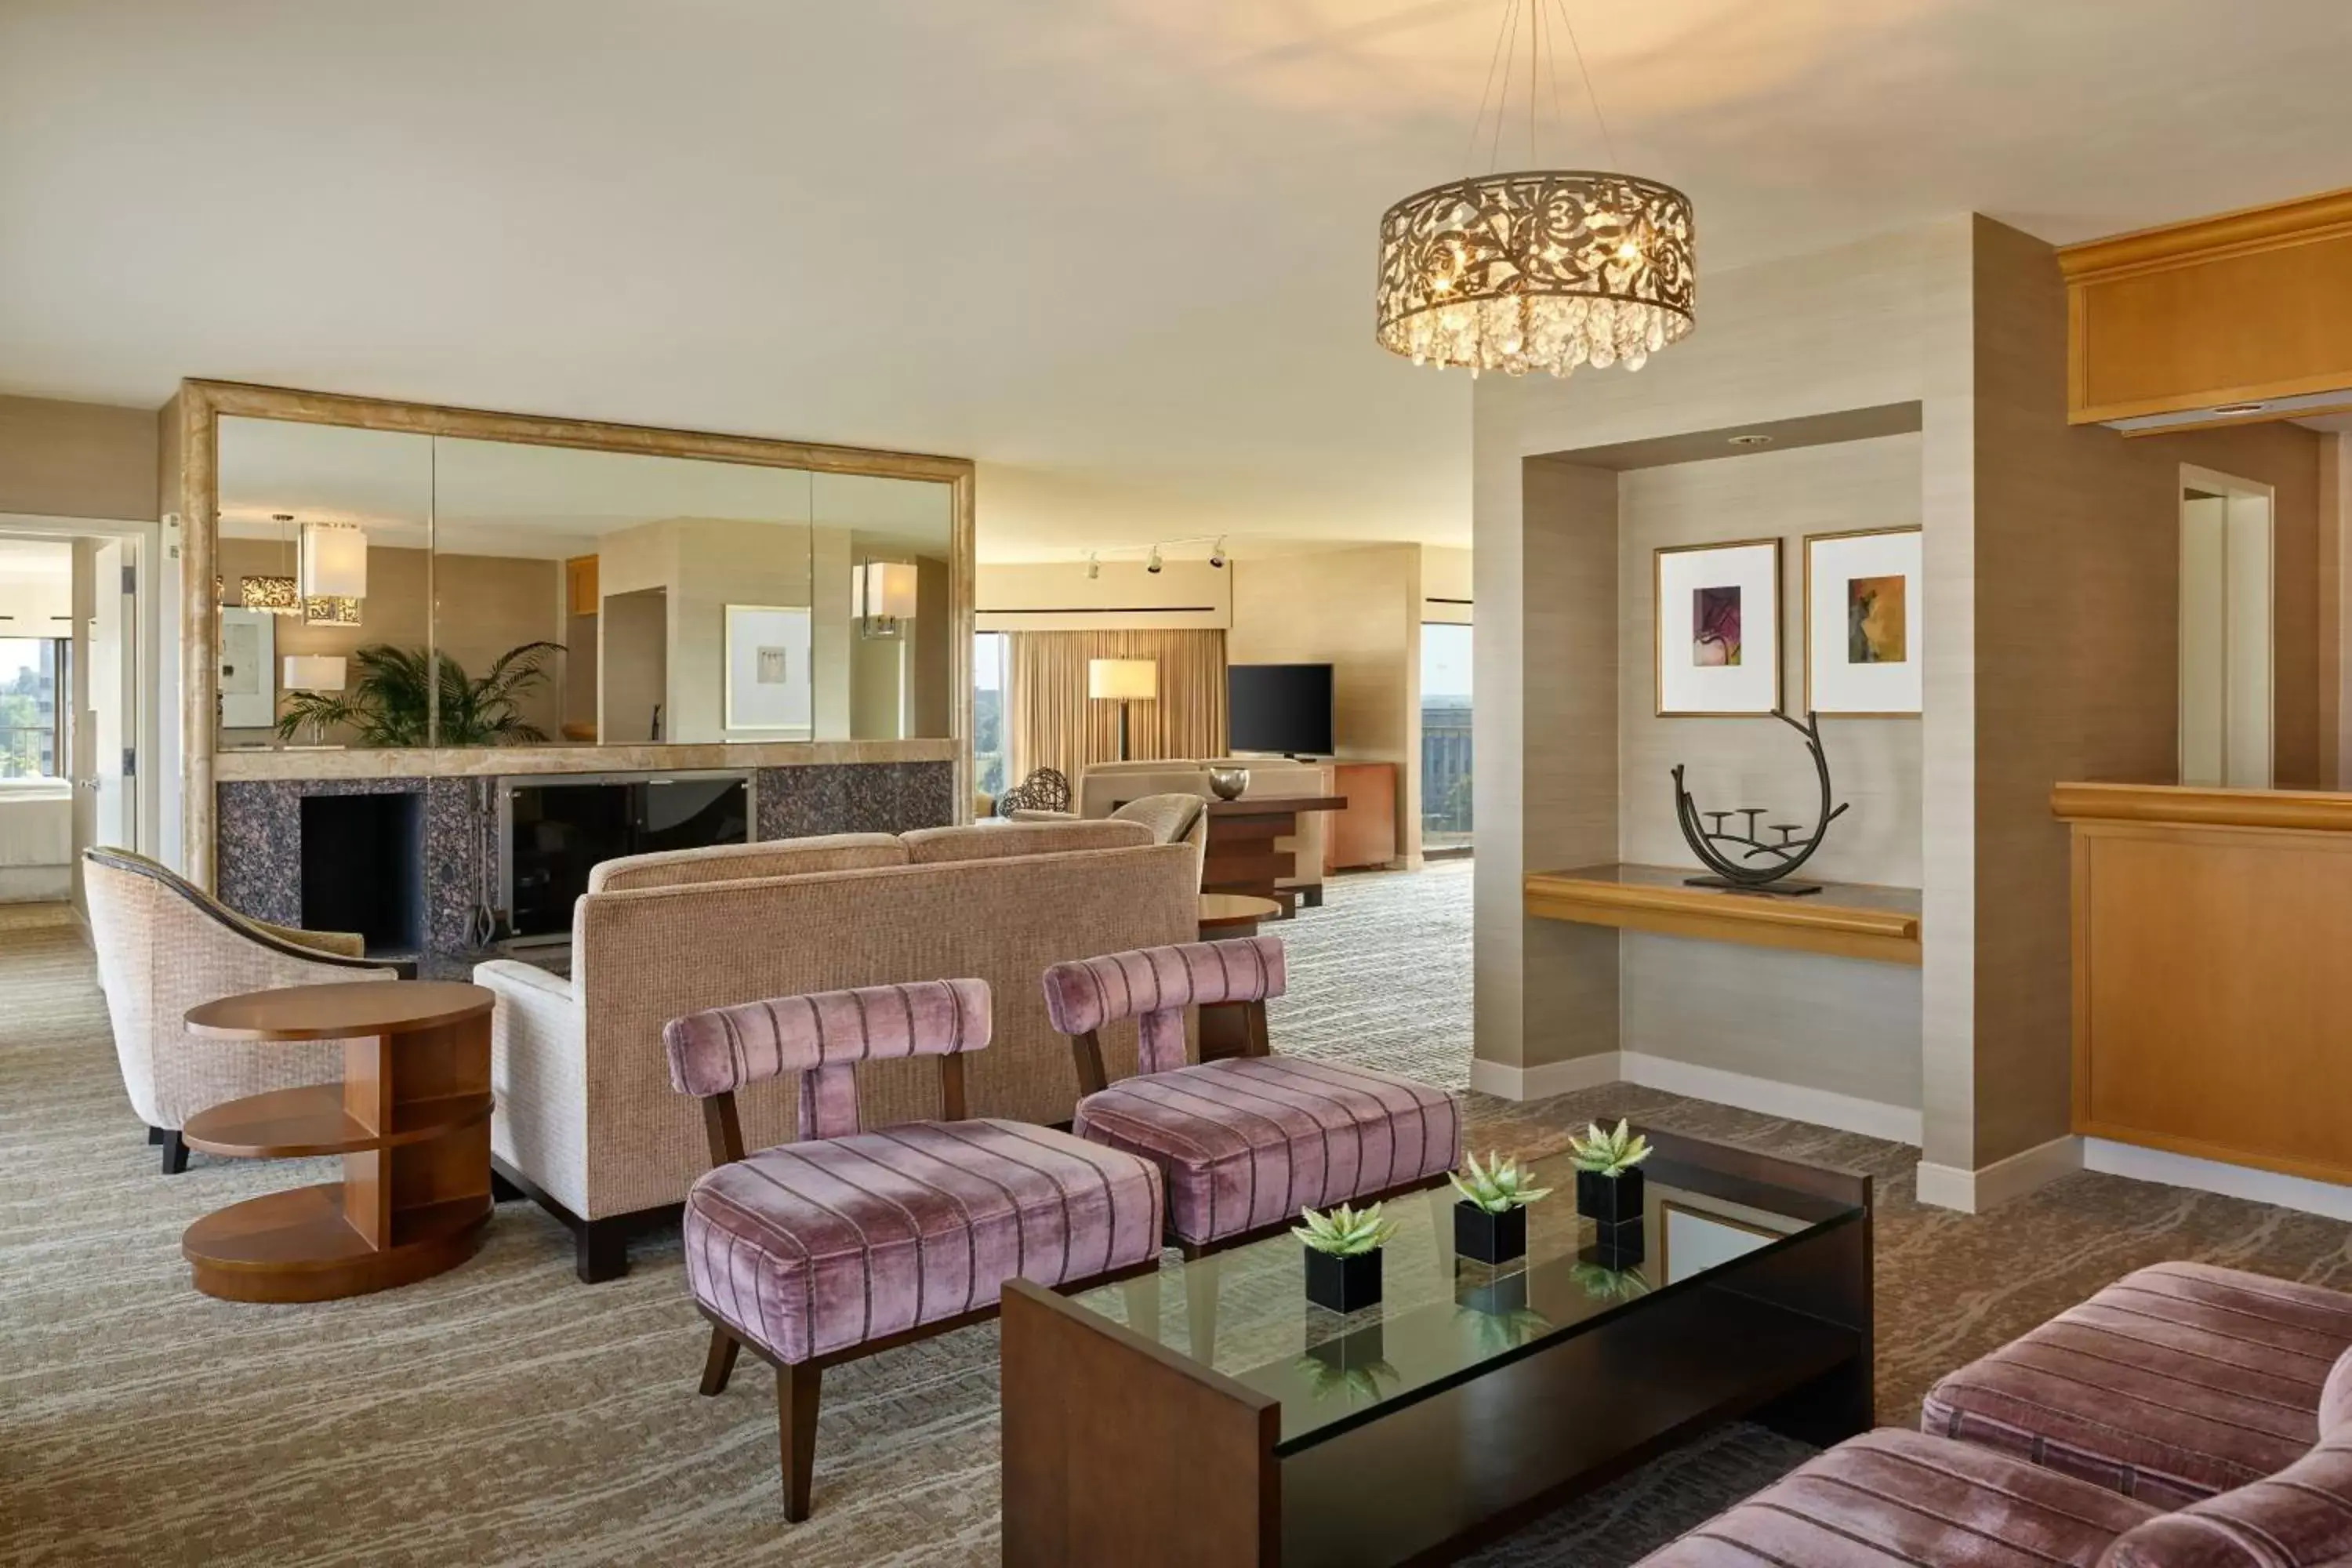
pixel 887 786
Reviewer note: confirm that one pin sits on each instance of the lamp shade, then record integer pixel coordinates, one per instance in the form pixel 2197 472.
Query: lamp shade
pixel 334 561
pixel 1126 679
pixel 887 589
pixel 314 673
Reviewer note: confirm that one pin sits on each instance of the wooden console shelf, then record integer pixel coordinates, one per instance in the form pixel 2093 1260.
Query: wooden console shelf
pixel 1844 920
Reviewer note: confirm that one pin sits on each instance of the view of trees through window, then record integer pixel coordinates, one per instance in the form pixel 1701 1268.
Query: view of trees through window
pixel 29 731
pixel 1444 736
pixel 992 678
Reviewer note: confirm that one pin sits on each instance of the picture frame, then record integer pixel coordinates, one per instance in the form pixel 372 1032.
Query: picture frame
pixel 767 674
pixel 1865 627
pixel 249 668
pixel 1715 620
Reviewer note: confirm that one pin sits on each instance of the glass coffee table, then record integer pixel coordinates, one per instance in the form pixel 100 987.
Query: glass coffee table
pixel 1209 1414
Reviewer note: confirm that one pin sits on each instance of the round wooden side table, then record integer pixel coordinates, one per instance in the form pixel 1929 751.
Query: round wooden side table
pixel 411 1118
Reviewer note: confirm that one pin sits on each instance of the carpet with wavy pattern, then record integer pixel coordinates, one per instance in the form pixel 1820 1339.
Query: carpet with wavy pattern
pixel 504 1413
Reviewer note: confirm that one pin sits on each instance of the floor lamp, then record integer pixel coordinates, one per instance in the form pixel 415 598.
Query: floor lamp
pixel 1123 680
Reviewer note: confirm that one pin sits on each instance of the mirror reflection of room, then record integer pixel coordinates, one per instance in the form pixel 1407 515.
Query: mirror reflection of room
pixel 386 589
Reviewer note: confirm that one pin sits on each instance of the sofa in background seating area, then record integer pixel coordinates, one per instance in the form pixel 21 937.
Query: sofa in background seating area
pixel 587 1122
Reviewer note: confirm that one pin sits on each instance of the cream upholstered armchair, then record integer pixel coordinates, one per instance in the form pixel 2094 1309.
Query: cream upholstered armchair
pixel 164 946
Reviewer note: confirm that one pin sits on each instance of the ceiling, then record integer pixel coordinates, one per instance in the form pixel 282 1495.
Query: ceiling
pixel 1118 250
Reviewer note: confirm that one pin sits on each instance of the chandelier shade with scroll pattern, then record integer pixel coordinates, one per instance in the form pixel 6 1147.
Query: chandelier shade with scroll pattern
pixel 1538 270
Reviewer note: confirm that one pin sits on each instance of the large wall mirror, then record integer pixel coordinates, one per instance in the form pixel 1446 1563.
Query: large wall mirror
pixel 390 587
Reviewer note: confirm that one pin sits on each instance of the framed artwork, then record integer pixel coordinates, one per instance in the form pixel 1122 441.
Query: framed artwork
pixel 249 669
pixel 768 672
pixel 1718 629
pixel 1862 645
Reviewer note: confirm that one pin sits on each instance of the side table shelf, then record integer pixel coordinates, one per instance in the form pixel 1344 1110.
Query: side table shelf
pixel 411 1118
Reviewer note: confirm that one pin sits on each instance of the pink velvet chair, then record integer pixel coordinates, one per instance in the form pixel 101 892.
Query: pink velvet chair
pixel 848 1242
pixel 1244 1143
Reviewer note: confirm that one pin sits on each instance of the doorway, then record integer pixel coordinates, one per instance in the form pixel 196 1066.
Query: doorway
pixel 2226 639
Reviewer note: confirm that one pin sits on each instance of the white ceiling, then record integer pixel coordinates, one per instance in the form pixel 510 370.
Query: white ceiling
pixel 1118 250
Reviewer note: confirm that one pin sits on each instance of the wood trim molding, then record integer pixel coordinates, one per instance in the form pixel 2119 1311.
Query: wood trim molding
pixel 2186 806
pixel 1820 923
pixel 190 425
pixel 2238 233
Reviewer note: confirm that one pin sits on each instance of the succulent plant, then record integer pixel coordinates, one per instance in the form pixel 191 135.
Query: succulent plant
pixel 1361 1382
pixel 1344 1232
pixel 1609 1153
pixel 1500 1188
pixel 1603 1283
pixel 1495 1333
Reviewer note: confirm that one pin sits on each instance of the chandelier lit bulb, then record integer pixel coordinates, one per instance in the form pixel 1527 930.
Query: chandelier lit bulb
pixel 1539 269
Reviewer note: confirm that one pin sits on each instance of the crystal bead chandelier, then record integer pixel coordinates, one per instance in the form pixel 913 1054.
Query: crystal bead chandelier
pixel 1539 269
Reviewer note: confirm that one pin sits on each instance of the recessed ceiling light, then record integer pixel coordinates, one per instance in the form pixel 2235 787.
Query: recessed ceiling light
pixel 1751 440
pixel 2240 408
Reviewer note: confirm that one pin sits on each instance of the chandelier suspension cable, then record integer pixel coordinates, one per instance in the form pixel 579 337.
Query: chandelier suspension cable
pixel 1608 143
pixel 1486 95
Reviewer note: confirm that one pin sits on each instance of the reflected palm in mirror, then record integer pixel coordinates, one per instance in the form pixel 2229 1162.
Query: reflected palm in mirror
pixel 393 701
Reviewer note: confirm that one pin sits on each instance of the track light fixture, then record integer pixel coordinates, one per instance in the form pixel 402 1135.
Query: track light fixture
pixel 1151 563
pixel 1217 556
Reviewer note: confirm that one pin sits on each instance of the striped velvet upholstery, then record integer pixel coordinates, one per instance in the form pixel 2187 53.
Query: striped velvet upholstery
pixel 2171 1385
pixel 823 1038
pixel 2335 1399
pixel 1156 985
pixel 1894 1498
pixel 1246 1143
pixel 2300 1517
pixel 812 1248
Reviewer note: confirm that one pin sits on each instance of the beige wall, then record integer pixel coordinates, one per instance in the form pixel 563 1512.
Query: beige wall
pixel 77 459
pixel 1447 583
pixel 1677 997
pixel 1358 610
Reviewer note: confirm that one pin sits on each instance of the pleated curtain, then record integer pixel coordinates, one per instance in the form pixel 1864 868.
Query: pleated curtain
pixel 1054 724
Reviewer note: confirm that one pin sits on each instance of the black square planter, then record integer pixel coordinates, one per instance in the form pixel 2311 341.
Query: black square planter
pixel 1611 1200
pixel 1343 1284
pixel 1616 1246
pixel 1489 1237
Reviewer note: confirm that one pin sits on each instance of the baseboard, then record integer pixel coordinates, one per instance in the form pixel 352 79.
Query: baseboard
pixel 1989 1186
pixel 2141 1164
pixel 1506 1082
pixel 1895 1123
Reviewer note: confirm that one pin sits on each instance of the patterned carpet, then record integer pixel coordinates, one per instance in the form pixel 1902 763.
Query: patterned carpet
pixel 505 1413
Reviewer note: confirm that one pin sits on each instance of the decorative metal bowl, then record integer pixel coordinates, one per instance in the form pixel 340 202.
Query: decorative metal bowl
pixel 1227 783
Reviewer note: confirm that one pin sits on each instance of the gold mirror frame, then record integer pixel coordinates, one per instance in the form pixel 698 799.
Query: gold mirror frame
pixel 190 469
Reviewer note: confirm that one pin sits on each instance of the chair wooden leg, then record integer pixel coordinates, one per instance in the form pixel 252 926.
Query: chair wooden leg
pixel 719 1364
pixel 175 1153
pixel 796 1400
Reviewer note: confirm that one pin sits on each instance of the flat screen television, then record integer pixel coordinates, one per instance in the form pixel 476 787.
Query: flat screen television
pixel 554 828
pixel 1281 707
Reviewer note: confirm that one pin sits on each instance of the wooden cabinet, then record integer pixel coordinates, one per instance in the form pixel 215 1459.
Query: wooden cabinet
pixel 580 584
pixel 1365 833
pixel 2210 984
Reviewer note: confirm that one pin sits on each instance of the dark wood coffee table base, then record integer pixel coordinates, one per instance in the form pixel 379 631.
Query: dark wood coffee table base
pixel 1116 1450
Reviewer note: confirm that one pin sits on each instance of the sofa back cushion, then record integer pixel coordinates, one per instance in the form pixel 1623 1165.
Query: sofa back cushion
pixel 2299 1518
pixel 1001 840
pixel 641 958
pixel 738 862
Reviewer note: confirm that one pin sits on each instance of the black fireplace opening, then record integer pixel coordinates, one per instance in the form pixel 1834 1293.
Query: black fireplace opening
pixel 363 868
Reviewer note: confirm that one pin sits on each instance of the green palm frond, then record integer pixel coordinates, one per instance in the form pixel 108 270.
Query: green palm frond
pixel 392 699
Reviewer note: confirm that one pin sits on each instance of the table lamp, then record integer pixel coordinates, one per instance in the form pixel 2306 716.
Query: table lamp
pixel 1123 680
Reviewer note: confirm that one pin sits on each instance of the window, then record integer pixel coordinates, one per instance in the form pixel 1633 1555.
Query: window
pixel 1445 737
pixel 992 680
pixel 32 716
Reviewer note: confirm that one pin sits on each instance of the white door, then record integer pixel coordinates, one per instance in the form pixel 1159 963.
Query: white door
pixel 114 697
pixel 2226 697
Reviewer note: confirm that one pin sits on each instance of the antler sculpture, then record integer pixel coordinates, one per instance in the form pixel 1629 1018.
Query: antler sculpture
pixel 1752 863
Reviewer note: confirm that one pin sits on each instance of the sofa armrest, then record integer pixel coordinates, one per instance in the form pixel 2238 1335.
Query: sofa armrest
pixel 539 1075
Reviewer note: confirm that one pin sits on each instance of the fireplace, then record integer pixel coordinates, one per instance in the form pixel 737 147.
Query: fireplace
pixel 363 868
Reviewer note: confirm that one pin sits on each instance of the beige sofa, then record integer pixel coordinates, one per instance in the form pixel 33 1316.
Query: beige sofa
pixel 587 1122
pixel 1106 784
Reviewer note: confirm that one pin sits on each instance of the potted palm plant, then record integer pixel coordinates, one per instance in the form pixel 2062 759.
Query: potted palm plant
pixel 1343 1255
pixel 391 701
pixel 1490 1222
pixel 1608 1178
